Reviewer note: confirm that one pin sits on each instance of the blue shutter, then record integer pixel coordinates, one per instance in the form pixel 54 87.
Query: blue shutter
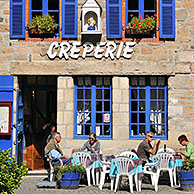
pixel 114 19
pixel 167 19
pixel 69 19
pixel 17 19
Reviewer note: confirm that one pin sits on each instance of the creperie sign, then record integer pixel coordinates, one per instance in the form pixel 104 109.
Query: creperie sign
pixel 102 49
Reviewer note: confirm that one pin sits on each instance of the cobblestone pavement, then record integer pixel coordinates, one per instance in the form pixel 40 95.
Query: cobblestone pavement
pixel 29 187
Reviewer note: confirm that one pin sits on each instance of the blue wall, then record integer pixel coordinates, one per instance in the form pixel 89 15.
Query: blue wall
pixel 6 94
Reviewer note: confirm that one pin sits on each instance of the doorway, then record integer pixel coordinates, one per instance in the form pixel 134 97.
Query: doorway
pixel 40 108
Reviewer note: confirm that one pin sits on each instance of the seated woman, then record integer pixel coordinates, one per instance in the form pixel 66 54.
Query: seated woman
pixel 93 145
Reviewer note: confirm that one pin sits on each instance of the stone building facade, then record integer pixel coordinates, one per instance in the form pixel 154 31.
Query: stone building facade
pixel 171 58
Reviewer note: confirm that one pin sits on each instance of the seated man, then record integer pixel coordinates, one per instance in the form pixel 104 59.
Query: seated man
pixel 53 149
pixel 189 154
pixel 145 148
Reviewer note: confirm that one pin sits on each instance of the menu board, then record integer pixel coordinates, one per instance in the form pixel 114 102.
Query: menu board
pixel 5 109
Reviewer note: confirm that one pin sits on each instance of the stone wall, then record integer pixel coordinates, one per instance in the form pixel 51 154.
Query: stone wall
pixel 174 58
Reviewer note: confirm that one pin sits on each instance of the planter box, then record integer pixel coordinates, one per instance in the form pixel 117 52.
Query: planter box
pixel 70 180
pixel 136 34
pixel 186 179
pixel 33 33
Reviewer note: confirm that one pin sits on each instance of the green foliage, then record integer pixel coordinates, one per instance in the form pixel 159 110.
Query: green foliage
pixel 188 165
pixel 44 24
pixel 139 25
pixel 61 170
pixel 10 173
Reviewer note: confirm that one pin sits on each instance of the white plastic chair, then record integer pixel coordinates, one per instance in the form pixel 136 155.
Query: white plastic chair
pixel 81 158
pixel 168 150
pixel 128 154
pixel 105 170
pixel 162 164
pixel 122 164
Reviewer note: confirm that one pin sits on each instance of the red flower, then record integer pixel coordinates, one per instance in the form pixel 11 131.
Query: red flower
pixel 140 16
pixel 146 15
pixel 131 15
pixel 65 164
pixel 53 16
pixel 134 24
pixel 152 16
pixel 70 163
pixel 155 14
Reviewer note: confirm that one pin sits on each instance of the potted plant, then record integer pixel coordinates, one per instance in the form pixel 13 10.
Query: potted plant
pixel 42 25
pixel 139 25
pixel 69 175
pixel 186 175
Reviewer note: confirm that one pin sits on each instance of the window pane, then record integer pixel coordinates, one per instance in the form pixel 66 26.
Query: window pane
pixel 88 82
pixel 53 4
pixel 106 106
pixel 149 4
pixel 99 82
pixel 142 130
pixel 142 117
pixel 79 105
pixel 80 117
pixel 153 81
pixel 36 14
pixel 133 129
pixel 88 94
pixel 134 118
pixel 98 117
pixel 134 94
pixel 153 94
pixel 98 106
pixel 80 81
pixel 134 105
pixel 55 16
pixel 79 130
pixel 106 129
pixel 133 4
pixel 141 94
pixel 153 105
pixel 160 94
pixel 160 106
pixel 31 80
pixel 87 129
pixel 161 81
pixel 134 81
pixel 131 15
pixel 142 81
pixel 80 94
pixel 37 5
pixel 106 94
pixel 153 129
pixel 88 106
pixel 141 105
pixel 41 80
pixel 161 130
pixel 99 94
pixel 107 82
pixel 87 117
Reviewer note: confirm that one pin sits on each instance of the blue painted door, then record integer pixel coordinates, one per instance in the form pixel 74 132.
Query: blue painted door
pixel 20 140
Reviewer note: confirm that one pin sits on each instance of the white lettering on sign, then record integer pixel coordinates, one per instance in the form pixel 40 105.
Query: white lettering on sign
pixel 111 49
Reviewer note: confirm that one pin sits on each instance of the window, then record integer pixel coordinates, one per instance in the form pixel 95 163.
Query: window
pixel 166 13
pixel 147 106
pixel 140 7
pixel 44 7
pixel 93 107
pixel 67 21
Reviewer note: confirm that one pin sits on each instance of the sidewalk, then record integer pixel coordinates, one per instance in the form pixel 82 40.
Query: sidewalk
pixel 29 187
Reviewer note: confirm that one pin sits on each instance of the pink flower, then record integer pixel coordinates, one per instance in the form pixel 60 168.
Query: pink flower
pixel 140 16
pixel 187 163
pixel 131 15
pixel 53 16
pixel 146 15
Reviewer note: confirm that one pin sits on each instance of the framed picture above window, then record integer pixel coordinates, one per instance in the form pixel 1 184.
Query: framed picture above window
pixel 5 118
pixel 147 106
pixel 93 107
